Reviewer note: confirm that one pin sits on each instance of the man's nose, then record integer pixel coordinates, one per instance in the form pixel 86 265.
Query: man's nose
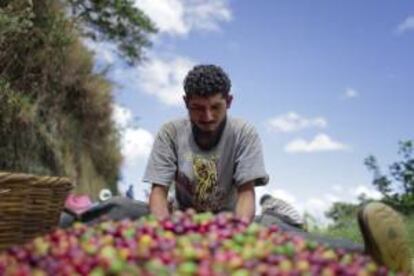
pixel 207 115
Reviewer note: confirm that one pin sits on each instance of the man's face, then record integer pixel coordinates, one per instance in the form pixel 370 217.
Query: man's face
pixel 208 112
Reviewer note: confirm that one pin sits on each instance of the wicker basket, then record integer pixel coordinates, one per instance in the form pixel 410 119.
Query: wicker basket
pixel 29 205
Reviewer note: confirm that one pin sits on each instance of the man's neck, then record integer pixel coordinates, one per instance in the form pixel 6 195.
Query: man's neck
pixel 208 140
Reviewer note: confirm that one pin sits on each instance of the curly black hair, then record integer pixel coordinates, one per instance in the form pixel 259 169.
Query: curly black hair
pixel 206 80
pixel 264 198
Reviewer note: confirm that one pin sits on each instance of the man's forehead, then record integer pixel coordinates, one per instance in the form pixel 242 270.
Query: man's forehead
pixel 216 98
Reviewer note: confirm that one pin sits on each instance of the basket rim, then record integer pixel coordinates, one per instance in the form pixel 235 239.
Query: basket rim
pixel 18 178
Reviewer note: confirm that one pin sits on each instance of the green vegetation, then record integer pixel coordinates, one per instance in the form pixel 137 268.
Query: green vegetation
pixel 410 229
pixel 345 224
pixel 55 112
pixel 117 21
pixel 351 231
pixel 397 189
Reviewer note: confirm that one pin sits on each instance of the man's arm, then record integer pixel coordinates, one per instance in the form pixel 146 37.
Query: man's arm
pixel 158 201
pixel 245 206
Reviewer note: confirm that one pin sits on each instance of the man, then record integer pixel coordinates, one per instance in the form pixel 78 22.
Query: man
pixel 214 160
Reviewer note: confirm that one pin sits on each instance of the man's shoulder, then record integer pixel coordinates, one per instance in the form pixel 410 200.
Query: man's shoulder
pixel 175 125
pixel 240 125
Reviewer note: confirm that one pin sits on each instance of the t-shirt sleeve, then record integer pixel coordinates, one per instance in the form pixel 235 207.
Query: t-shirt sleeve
pixel 249 158
pixel 162 162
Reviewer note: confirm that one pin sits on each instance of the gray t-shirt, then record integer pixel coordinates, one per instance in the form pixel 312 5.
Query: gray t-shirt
pixel 206 180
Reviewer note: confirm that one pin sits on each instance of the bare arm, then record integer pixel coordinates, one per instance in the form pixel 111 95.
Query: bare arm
pixel 158 201
pixel 245 206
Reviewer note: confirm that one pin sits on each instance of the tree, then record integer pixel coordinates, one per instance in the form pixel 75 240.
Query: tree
pixel 341 213
pixel 397 187
pixel 118 21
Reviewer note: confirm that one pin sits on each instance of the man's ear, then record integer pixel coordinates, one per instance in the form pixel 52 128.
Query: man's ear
pixel 229 100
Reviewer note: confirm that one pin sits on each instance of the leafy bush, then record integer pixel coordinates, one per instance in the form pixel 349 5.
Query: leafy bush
pixel 55 111
pixel 397 187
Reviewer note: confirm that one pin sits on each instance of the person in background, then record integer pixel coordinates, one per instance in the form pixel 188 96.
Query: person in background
pixel 281 209
pixel 130 192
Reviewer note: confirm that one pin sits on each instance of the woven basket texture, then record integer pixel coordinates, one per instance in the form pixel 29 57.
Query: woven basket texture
pixel 30 205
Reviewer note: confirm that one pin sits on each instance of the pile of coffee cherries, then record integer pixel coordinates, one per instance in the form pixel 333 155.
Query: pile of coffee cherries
pixel 184 244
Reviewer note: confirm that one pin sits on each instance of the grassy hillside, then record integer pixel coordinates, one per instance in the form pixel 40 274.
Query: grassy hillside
pixel 55 112
pixel 350 231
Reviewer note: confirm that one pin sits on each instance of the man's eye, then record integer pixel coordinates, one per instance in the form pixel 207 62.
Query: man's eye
pixel 195 108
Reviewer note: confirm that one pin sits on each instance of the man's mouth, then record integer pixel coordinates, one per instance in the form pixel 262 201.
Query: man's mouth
pixel 207 124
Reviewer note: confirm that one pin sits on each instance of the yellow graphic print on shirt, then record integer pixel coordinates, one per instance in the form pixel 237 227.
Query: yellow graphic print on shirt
pixel 205 176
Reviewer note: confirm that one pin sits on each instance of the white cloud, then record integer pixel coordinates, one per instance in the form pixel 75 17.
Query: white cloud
pixel 166 14
pixel 104 51
pixel 122 116
pixel 317 207
pixel 367 191
pixel 292 121
pixel 136 145
pixel 136 142
pixel 331 198
pixel 406 25
pixel 179 17
pixel 164 78
pixel 351 93
pixel 205 15
pixel 321 142
pixel 284 195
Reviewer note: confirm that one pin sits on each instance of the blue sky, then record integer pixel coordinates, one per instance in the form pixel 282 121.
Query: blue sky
pixel 326 83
